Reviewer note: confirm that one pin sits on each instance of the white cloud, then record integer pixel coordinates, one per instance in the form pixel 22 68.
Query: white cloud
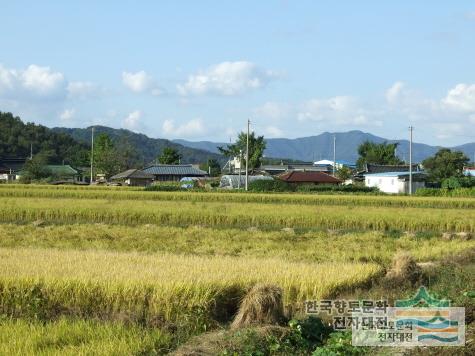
pixel 273 110
pixel 273 131
pixel 132 121
pixel 471 15
pixel 82 90
pixel 141 82
pixel 445 130
pixel 157 91
pixel 192 128
pixel 338 107
pixel 67 115
pixel 410 103
pixel 34 80
pixel 394 92
pixel 461 98
pixel 137 82
pixel 227 78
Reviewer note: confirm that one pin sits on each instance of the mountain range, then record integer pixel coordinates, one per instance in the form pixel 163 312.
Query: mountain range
pixel 314 148
pixel 17 139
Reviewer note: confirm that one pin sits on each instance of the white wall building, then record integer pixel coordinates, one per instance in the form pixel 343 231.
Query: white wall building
pixel 395 182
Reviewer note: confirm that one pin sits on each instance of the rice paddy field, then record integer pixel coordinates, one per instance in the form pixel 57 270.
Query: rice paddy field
pixel 119 271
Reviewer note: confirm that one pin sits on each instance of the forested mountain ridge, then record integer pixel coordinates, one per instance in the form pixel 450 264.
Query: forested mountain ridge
pixel 72 145
pixel 19 139
pixel 148 149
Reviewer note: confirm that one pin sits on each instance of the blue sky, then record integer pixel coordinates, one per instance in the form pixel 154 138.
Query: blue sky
pixel 199 69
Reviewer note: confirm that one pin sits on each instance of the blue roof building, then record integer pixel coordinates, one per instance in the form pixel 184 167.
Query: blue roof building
pixel 174 172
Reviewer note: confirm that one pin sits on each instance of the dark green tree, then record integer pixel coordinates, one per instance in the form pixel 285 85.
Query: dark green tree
pixel 169 156
pixel 36 169
pixel 377 153
pixel 128 155
pixel 445 164
pixel 106 158
pixel 212 166
pixel 344 173
pixel 257 145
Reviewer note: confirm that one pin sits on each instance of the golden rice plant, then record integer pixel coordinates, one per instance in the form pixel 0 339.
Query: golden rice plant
pixel 46 283
pixel 180 213
pixel 125 193
pixel 303 246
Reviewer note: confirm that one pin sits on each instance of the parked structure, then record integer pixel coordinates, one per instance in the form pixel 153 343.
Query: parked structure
pixel 173 172
pixel 133 177
pixel 11 167
pixel 275 169
pixel 395 182
pixel 338 164
pixel 317 178
pixel 469 171
pixel 231 181
pixel 65 173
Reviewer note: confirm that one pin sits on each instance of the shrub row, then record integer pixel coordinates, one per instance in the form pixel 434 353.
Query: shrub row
pixel 280 186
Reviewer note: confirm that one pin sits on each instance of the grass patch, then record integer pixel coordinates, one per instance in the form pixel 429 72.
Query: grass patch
pixel 80 337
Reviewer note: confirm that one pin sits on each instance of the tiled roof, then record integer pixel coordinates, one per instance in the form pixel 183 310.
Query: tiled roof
pixel 133 173
pixel 14 164
pixel 308 177
pixel 393 174
pixel 380 168
pixel 295 167
pixel 175 170
pixel 62 169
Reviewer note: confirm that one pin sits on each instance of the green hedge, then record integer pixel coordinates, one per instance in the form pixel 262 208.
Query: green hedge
pixel 280 186
pixel 270 186
pixel 165 187
pixel 446 192
pixel 309 188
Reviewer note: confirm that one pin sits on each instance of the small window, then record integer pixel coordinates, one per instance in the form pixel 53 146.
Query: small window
pixel 380 181
pixel 392 181
pixel 369 181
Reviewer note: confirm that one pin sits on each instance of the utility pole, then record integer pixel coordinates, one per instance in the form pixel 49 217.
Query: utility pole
pixel 240 168
pixel 31 150
pixel 410 159
pixel 334 155
pixel 247 154
pixel 92 154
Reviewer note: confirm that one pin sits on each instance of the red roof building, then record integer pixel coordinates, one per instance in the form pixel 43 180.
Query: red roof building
pixel 297 177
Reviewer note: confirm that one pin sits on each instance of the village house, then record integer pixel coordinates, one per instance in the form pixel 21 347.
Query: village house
pixel 173 172
pixel 65 173
pixel 10 168
pixel 133 177
pixel 395 182
pixel 308 177
pixel 370 168
pixel 275 169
